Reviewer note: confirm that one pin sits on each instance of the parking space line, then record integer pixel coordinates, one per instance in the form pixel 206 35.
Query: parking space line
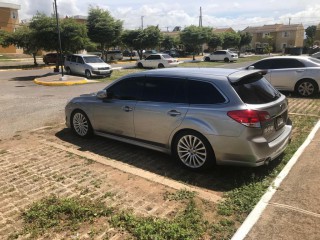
pixel 203 194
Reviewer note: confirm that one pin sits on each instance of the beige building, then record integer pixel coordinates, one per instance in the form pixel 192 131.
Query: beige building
pixel 282 36
pixel 9 21
pixel 317 36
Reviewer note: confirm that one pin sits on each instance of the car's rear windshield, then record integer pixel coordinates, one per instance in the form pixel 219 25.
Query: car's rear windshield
pixel 166 56
pixel 256 90
pixel 92 59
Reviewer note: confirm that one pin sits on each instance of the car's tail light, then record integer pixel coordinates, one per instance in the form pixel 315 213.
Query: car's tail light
pixel 249 118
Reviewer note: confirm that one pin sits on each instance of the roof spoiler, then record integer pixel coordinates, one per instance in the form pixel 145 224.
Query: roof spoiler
pixel 246 76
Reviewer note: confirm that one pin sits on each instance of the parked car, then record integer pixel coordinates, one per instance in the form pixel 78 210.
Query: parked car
pixel 159 60
pixel 88 65
pixel 221 55
pixel 298 74
pixel 51 58
pixel 112 55
pixel 201 116
pixel 147 53
pixel 172 53
pixel 316 55
pixel 128 53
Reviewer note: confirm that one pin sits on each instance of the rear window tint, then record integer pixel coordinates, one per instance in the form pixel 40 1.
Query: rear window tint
pixel 256 90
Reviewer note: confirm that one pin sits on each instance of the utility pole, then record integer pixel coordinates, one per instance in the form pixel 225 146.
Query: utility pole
pixel 289 21
pixel 142 22
pixel 59 37
pixel 200 18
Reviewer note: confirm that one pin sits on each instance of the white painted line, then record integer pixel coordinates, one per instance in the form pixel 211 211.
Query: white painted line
pixel 204 194
pixel 261 205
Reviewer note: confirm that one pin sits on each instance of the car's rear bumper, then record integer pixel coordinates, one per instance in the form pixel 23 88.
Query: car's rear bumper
pixel 248 152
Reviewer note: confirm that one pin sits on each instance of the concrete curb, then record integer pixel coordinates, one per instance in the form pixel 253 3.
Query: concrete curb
pixel 61 83
pixel 255 214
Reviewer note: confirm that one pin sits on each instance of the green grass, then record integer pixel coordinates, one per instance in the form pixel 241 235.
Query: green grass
pixel 248 186
pixel 119 73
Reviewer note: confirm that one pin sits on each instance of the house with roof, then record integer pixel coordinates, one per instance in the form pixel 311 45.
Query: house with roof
pixel 9 21
pixel 281 36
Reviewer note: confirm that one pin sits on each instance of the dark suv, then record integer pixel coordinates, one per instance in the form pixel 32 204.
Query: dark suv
pixel 200 115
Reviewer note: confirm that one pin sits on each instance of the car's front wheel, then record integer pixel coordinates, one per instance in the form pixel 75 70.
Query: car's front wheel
pixel 140 65
pixel 306 88
pixel 80 124
pixel 207 59
pixel 226 59
pixel 193 150
pixel 88 74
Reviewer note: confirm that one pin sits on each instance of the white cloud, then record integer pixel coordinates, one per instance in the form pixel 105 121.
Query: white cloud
pixel 166 13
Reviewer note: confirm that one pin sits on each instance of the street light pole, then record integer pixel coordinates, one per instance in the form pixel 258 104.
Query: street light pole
pixel 59 36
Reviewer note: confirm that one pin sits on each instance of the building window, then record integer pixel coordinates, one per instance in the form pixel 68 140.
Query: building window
pixel 14 14
pixel 285 34
pixel 265 34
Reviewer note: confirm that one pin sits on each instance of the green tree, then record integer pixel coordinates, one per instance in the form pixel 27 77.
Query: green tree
pixel 215 41
pixel 310 33
pixel 103 28
pixel 230 39
pixel 168 42
pixel 128 39
pixel 4 38
pixel 245 39
pixel 193 37
pixel 268 48
pixel 25 38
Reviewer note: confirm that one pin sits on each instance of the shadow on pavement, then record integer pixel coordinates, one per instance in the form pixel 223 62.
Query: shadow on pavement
pixel 218 179
pixel 29 78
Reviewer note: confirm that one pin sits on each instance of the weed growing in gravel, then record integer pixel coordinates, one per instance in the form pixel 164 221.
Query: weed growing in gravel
pixel 179 195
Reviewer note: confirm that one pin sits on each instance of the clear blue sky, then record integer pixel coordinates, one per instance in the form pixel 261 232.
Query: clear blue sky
pixel 168 14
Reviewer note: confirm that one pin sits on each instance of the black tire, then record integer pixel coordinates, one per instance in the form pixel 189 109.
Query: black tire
pixel 193 150
pixel 88 74
pixel 306 88
pixel 160 65
pixel 207 59
pixel 68 71
pixel 226 59
pixel 140 65
pixel 80 124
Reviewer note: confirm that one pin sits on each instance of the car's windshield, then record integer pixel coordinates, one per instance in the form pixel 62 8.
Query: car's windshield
pixel 92 59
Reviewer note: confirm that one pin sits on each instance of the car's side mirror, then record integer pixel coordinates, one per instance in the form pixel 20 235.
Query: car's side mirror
pixel 102 94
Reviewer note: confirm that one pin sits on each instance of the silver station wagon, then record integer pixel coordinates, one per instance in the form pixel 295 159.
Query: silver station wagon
pixel 201 116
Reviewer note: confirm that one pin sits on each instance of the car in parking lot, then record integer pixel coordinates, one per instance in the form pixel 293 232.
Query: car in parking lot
pixel 51 58
pixel 221 55
pixel 316 55
pixel 300 74
pixel 159 60
pixel 202 116
pixel 113 55
pixel 88 65
pixel 147 53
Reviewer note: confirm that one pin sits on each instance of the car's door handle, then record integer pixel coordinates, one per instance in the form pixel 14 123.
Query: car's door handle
pixel 174 113
pixel 127 109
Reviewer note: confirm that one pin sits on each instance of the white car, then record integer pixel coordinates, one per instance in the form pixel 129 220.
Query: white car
pixel 298 74
pixel 221 55
pixel 88 65
pixel 157 61
pixel 316 55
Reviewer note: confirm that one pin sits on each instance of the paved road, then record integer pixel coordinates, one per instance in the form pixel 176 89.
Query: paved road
pixel 26 105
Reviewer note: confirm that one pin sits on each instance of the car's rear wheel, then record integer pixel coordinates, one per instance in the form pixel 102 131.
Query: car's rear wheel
pixel 68 70
pixel 160 65
pixel 80 124
pixel 140 65
pixel 306 87
pixel 226 59
pixel 207 59
pixel 193 150
pixel 88 74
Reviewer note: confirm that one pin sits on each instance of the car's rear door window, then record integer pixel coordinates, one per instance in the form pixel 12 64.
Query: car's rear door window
pixel 164 89
pixel 200 92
